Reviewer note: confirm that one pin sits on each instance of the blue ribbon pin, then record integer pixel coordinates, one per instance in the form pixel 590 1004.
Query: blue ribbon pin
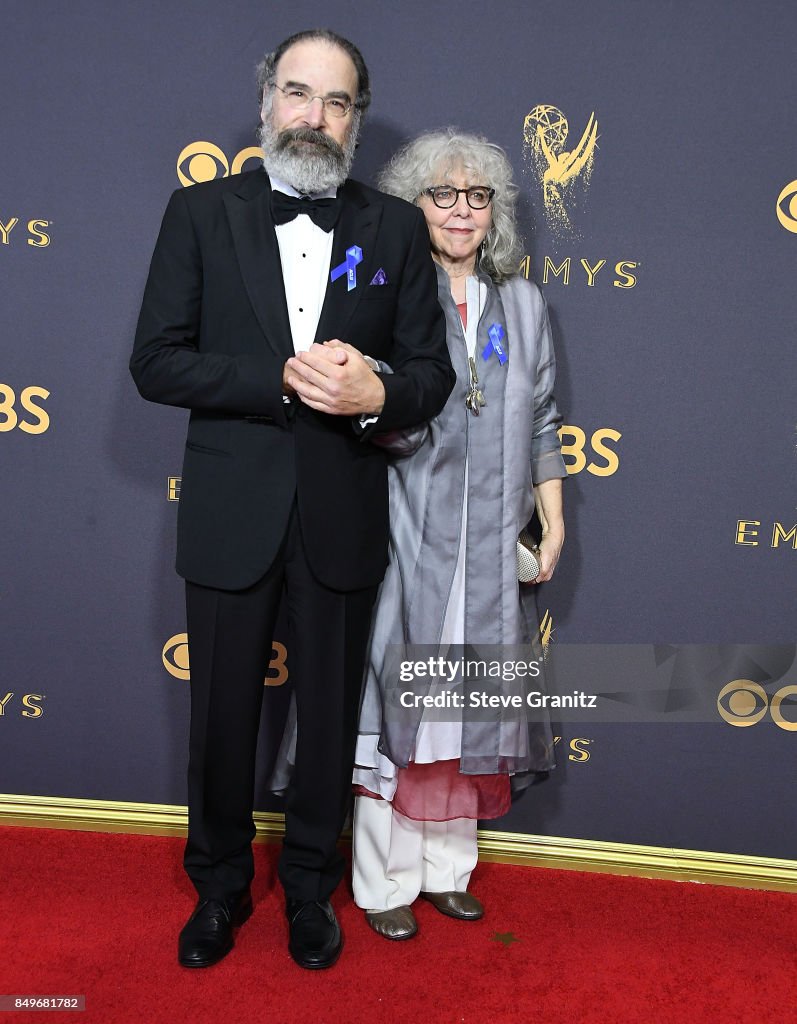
pixel 496 336
pixel 354 255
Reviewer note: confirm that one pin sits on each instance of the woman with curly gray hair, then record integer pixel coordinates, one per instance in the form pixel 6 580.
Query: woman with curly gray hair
pixel 462 488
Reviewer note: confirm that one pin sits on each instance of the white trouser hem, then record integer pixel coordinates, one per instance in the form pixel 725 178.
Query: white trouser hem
pixel 396 858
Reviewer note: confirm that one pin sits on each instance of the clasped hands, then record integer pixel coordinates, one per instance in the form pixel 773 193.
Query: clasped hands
pixel 334 378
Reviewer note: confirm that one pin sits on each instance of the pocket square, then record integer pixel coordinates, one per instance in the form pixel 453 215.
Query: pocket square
pixel 380 277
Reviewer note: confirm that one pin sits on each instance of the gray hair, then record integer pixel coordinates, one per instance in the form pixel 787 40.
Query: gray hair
pixel 267 68
pixel 427 161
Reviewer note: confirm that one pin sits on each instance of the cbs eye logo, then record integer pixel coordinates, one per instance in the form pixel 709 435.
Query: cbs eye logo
pixel 204 161
pixel 787 211
pixel 175 656
pixel 747 703
pixel 176 661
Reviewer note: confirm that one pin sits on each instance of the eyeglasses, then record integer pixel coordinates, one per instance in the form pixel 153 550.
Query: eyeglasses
pixel 300 99
pixel 445 196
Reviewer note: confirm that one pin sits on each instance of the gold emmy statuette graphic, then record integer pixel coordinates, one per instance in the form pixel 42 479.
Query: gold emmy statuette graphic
pixel 204 161
pixel 557 169
pixel 787 211
pixel 546 632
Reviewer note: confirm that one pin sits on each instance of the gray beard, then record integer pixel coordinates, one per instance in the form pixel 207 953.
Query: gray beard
pixel 306 158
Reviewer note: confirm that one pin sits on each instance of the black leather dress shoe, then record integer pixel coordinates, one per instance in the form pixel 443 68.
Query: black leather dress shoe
pixel 315 939
pixel 208 934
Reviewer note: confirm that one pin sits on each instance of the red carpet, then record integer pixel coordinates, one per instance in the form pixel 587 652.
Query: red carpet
pixel 98 915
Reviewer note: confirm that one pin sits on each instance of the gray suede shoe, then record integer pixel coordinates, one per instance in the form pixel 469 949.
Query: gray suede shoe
pixel 397 924
pixel 461 905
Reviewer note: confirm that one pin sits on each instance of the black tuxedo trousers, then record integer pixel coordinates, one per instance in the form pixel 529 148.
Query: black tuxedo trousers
pixel 230 642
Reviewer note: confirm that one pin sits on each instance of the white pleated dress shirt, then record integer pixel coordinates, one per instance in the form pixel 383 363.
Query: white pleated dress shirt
pixel 305 255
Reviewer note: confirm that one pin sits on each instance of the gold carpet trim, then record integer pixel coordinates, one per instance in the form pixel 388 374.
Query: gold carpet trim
pixel 505 847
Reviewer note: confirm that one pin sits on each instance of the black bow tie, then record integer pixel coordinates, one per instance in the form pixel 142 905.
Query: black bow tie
pixel 323 212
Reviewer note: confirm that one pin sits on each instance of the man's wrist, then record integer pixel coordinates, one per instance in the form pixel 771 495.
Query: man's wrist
pixel 375 408
pixel 379 404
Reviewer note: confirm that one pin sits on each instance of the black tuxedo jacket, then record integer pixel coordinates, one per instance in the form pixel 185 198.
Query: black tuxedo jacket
pixel 213 336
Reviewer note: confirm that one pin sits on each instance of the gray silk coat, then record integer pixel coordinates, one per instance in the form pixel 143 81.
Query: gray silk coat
pixel 510 447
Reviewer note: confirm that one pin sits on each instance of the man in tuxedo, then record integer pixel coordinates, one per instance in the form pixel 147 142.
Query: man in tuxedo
pixel 272 296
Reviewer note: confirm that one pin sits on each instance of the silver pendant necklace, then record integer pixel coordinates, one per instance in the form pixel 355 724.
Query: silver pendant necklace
pixel 474 400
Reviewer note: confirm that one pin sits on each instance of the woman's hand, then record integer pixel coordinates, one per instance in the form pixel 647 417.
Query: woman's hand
pixel 550 549
pixel 548 501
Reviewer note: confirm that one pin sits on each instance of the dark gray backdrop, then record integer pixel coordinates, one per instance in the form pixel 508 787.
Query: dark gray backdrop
pixel 693 366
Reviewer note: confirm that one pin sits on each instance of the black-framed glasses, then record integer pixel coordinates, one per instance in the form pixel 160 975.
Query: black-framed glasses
pixel 300 99
pixel 445 196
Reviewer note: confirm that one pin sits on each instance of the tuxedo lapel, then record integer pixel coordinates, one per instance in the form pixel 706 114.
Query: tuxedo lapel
pixel 249 215
pixel 358 225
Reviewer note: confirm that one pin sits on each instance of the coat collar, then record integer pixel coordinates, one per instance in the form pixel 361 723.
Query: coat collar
pixel 249 213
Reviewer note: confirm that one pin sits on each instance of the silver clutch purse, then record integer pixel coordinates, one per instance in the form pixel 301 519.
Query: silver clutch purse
pixel 528 558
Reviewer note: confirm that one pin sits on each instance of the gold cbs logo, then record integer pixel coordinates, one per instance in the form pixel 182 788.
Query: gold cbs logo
pixel 574 441
pixel 204 161
pixel 39 420
pixel 787 211
pixel 743 703
pixel 176 660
